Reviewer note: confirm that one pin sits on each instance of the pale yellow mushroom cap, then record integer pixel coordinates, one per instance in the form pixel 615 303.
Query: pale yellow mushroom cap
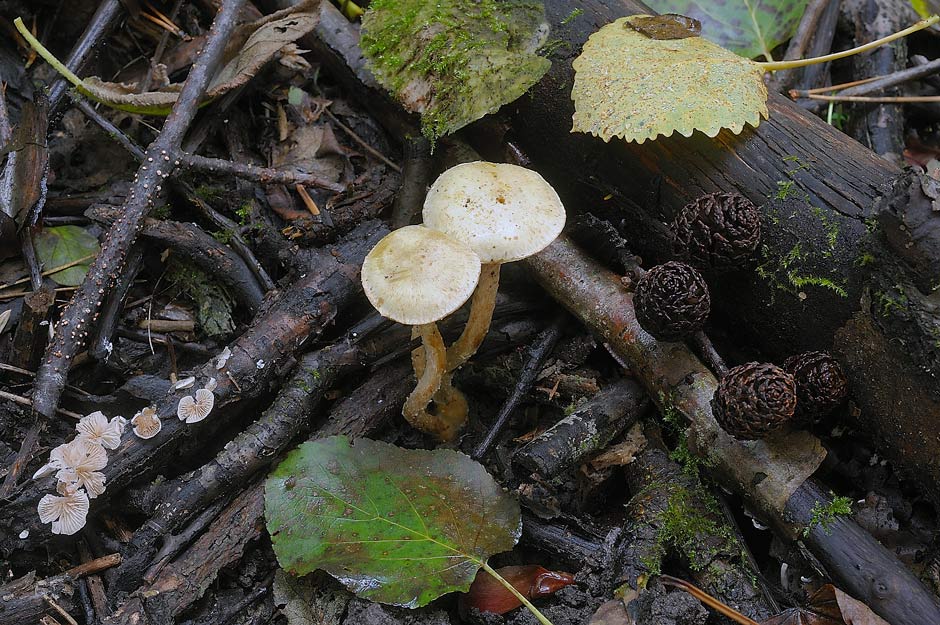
pixel 416 275
pixel 503 212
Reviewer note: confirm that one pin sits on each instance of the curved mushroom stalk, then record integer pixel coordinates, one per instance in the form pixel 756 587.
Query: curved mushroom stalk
pixel 450 406
pixel 429 380
pixel 478 323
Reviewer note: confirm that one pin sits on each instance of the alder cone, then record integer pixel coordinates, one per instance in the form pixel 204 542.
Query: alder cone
pixel 753 400
pixel 671 301
pixel 821 384
pixel 716 231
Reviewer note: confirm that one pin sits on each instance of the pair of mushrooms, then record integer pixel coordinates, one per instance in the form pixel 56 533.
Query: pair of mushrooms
pixel 476 217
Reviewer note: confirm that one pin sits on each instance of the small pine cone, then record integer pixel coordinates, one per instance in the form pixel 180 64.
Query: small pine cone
pixel 821 384
pixel 753 400
pixel 671 301
pixel 716 231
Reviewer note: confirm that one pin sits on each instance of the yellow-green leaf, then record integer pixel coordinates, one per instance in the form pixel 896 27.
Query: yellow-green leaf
pixel 630 86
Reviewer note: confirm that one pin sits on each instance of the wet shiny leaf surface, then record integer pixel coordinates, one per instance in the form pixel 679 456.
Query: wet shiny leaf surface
pixel 393 525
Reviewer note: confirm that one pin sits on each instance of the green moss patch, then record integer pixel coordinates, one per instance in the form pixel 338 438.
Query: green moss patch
pixel 454 61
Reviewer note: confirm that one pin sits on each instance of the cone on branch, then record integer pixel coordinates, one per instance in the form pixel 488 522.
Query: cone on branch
pixel 672 301
pixel 821 384
pixel 716 231
pixel 754 400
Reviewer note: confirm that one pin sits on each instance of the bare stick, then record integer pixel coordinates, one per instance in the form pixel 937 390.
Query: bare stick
pixel 72 330
pixel 105 17
pixel 264 175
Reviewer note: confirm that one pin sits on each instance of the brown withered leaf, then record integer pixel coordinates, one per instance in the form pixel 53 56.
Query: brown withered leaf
pixel 667 26
pixel 828 606
pixel 532 581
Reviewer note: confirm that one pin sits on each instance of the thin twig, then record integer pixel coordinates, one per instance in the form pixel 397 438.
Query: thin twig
pixel 105 18
pixel 263 175
pixel 875 99
pixel 235 240
pixel 15 294
pixel 872 85
pixel 362 142
pixel 55 606
pixel 26 401
pixel 707 599
pixel 6 127
pixel 538 352
pixel 48 272
pixel 161 47
pixel 6 367
pixel 801 39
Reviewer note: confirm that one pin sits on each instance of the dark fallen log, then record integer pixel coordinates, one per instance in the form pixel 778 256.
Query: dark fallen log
pixel 774 475
pixel 585 431
pixel 295 316
pixel 819 271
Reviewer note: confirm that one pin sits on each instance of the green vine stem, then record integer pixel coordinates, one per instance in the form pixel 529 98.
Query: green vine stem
pixel 47 56
pixel 772 66
pixel 534 610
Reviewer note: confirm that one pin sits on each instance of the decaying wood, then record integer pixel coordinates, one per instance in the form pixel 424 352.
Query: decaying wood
pixel 249 452
pixel 773 475
pixel 670 505
pixel 294 317
pixel 812 275
pixel 186 579
pixel 585 431
pixel 32 330
pixel 180 583
pixel 25 599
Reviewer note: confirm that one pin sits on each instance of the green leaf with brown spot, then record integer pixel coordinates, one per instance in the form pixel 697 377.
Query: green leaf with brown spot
pixel 750 28
pixel 393 525
pixel 630 86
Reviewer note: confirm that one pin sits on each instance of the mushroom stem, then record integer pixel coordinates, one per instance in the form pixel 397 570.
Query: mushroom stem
pixel 450 405
pixel 481 314
pixel 429 380
pixel 451 408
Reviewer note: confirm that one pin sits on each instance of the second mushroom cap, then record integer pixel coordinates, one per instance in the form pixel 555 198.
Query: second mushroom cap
pixel 416 275
pixel 503 212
